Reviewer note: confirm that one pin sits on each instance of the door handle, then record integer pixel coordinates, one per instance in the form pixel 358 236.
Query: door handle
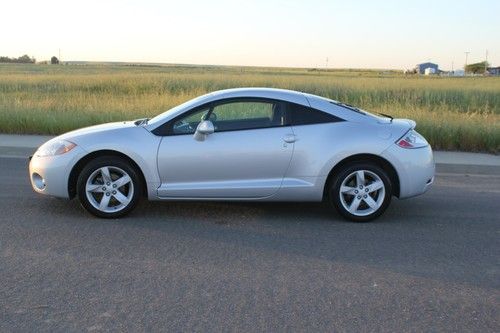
pixel 290 138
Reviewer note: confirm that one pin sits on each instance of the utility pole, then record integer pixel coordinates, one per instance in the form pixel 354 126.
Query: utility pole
pixel 466 58
pixel 59 56
pixel 326 67
pixel 486 63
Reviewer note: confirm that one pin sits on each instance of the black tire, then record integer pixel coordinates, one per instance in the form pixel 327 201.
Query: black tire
pixel 116 166
pixel 381 198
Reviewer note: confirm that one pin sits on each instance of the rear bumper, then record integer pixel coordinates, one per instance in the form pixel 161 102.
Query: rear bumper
pixel 415 168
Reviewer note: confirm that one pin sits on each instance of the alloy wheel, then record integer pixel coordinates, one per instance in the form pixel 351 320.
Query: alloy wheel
pixel 362 192
pixel 109 189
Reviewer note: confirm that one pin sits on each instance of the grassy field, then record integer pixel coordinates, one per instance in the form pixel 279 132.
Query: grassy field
pixel 452 113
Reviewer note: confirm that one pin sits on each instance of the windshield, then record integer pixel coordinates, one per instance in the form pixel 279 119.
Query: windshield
pixel 185 105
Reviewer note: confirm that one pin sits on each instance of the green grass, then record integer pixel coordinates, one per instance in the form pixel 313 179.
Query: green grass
pixel 453 113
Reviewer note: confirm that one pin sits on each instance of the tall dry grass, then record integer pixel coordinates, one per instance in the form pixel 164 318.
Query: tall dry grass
pixel 453 113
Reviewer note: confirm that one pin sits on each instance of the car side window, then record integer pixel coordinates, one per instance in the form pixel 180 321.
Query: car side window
pixel 188 124
pixel 303 115
pixel 240 115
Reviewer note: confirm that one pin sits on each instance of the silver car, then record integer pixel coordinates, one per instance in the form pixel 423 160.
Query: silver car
pixel 252 144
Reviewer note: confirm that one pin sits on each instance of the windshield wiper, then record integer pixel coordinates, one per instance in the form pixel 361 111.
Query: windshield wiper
pixel 142 121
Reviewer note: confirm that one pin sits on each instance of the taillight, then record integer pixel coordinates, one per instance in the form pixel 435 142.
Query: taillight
pixel 412 140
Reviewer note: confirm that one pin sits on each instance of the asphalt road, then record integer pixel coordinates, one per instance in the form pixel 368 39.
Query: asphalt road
pixel 429 264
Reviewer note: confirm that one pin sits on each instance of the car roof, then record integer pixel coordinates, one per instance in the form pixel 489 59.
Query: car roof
pixel 273 93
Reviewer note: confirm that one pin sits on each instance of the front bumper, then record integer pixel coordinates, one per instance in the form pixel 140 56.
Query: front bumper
pixel 415 168
pixel 50 174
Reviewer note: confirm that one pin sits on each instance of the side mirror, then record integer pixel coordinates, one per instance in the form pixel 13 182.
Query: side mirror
pixel 204 128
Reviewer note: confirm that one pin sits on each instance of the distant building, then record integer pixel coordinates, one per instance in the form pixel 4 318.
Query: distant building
pixel 420 68
pixel 429 71
pixel 494 70
pixel 458 72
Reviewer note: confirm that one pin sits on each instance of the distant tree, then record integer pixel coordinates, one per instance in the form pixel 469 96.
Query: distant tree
pixel 25 59
pixel 54 60
pixel 477 68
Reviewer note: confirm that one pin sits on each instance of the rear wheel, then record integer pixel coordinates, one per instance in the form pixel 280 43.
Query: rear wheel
pixel 361 192
pixel 109 187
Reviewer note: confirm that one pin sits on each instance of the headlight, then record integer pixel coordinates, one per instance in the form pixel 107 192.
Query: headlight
pixel 55 148
pixel 412 140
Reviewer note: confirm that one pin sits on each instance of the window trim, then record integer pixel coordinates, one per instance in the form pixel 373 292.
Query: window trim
pixel 166 128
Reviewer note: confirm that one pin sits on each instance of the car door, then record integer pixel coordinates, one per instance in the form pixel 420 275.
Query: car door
pixel 246 156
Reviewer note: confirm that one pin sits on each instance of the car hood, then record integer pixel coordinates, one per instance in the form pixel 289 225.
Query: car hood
pixel 95 129
pixel 89 133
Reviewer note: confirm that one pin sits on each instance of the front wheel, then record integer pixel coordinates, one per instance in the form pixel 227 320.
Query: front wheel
pixel 109 187
pixel 361 192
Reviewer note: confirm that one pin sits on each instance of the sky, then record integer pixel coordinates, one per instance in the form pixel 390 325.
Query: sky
pixel 290 33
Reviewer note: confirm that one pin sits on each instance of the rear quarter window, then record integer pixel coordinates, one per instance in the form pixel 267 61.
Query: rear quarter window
pixel 303 115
